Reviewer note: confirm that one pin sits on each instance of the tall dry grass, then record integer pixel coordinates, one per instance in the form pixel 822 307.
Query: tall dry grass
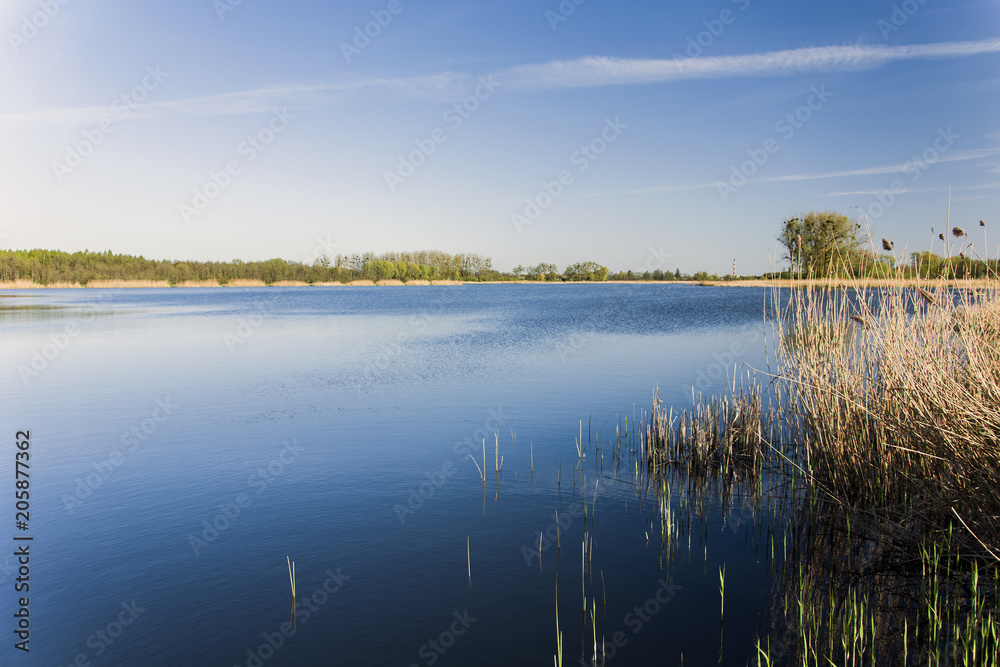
pixel 876 426
pixel 893 397
pixel 886 399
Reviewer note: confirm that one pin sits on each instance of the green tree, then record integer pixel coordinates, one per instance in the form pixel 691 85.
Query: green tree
pixel 820 243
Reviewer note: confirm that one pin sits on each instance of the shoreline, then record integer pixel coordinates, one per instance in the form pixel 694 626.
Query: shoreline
pixel 829 283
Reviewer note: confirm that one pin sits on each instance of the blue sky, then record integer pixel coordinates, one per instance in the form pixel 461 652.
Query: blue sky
pixel 635 134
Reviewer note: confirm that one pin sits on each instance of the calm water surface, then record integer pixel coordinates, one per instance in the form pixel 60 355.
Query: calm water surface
pixel 184 442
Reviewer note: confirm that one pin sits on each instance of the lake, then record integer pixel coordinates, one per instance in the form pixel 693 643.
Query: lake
pixel 184 442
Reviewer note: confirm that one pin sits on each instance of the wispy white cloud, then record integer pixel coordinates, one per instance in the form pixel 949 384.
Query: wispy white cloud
pixel 956 156
pixel 599 71
pixel 581 72
pixel 872 192
pixel 985 186
pixel 878 191
pixel 257 100
pixel 975 197
pixel 899 168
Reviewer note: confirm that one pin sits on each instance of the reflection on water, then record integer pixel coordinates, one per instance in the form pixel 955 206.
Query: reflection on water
pixel 383 394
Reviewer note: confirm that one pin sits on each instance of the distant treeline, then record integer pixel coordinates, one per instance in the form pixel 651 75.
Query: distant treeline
pixel 52 266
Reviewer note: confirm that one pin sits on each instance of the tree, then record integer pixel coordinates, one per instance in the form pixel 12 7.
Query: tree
pixel 586 271
pixel 819 243
pixel 543 271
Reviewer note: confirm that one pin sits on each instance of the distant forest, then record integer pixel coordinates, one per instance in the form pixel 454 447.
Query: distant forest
pixel 52 266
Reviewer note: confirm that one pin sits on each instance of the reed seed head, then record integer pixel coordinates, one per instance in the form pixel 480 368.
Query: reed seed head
pixel 982 224
pixel 860 320
pixel 941 236
pixel 887 245
pixel 927 296
pixel 958 232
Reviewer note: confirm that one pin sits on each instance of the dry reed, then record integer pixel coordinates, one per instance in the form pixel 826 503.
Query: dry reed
pixel 898 418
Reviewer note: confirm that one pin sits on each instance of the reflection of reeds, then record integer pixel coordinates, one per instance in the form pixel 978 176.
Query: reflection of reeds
pixel 722 591
pixel 557 659
pixel 899 418
pixel 891 426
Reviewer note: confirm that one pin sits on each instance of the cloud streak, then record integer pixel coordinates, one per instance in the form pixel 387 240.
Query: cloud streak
pixel 560 74
pixel 957 156
pixel 600 71
pixel 257 100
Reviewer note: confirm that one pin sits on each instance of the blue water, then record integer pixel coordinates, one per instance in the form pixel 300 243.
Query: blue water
pixel 184 442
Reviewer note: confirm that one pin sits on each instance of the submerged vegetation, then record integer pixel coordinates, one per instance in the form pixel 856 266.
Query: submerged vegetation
pixel 865 462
